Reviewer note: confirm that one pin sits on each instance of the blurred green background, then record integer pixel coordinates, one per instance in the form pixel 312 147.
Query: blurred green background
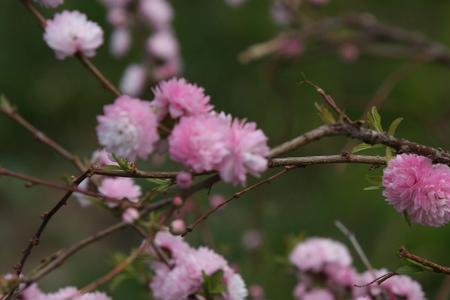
pixel 62 99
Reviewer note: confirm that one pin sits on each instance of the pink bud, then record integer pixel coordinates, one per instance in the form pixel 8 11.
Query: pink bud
pixel 184 179
pixel 130 215
pixel 120 42
pixel 117 16
pixel 163 45
pixel 177 201
pixel 256 292
pixel 349 52
pixel 177 226
pixel 133 80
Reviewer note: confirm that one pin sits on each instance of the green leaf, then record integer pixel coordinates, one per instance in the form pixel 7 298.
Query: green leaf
pixel 409 269
pixel 123 163
pixel 325 114
pixel 372 188
pixel 118 280
pixel 109 168
pixel 5 104
pixel 389 153
pixel 394 125
pixel 374 120
pixel 158 181
pixel 364 146
pixel 213 284
pixel 374 179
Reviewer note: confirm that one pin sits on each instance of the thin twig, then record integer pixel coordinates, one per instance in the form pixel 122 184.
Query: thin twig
pixel 435 267
pixel 12 113
pixel 237 195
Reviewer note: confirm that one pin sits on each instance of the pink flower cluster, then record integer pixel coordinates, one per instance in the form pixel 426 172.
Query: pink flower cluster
pixel 72 293
pixel 187 267
pixel 397 287
pixel 419 188
pixel 324 268
pixel 70 32
pixel 128 128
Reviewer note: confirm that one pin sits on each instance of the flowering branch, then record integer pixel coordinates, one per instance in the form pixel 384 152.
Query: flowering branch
pixel 106 83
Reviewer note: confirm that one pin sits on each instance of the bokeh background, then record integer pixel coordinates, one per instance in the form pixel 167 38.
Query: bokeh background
pixel 62 99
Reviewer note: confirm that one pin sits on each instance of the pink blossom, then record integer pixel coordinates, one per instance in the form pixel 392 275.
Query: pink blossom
pixel 314 254
pixel 175 246
pixel 130 215
pixel 349 52
pixel 181 98
pixel 32 292
pixel 412 184
pixel 199 142
pixel 72 293
pixel 128 128
pixel 70 32
pixel 83 200
pixel 177 226
pixel 50 3
pixel 400 285
pixel 177 201
pixel 247 152
pixel 133 80
pixel 339 275
pixel 291 46
pixel 184 179
pixel 163 45
pixel 120 42
pixel 300 290
pixel 120 188
pixel 256 292
pixel 236 289
pixel 281 13
pixel 101 158
pixel 318 294
pixel 115 3
pixel 158 13
pixel 252 239
pixel 117 16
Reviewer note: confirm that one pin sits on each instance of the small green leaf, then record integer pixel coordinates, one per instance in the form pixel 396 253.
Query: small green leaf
pixel 394 125
pixel 213 284
pixel 158 181
pixel 364 146
pixel 325 114
pixel 374 120
pixel 372 188
pixel 110 168
pixel 123 163
pixel 409 269
pixel 374 179
pixel 389 153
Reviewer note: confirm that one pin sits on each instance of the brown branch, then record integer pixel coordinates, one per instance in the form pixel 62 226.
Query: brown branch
pixel 86 62
pixel 31 181
pixel 237 195
pixel 12 113
pixel 327 159
pixel 46 217
pixel 437 268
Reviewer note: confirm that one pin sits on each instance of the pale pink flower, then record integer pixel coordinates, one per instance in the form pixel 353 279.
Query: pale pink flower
pixel 184 179
pixel 50 3
pixel 63 294
pixel 120 42
pixel 83 199
pixel 128 128
pixel 236 289
pixel 174 245
pixel 163 45
pixel 101 158
pixel 413 185
pixel 247 152
pixel 130 215
pixel 281 13
pixel 133 80
pixel 177 226
pixel 344 276
pixel 256 292
pixel 291 46
pixel 173 284
pixel 158 13
pixel 120 188
pixel 349 52
pixel 115 3
pixel 404 287
pixel 181 98
pixel 314 254
pixel 318 294
pixel 70 32
pixel 363 298
pixel 32 293
pixel 117 16
pixel 199 142
pixel 300 290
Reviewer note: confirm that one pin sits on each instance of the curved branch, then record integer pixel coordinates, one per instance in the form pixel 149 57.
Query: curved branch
pixel 437 268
